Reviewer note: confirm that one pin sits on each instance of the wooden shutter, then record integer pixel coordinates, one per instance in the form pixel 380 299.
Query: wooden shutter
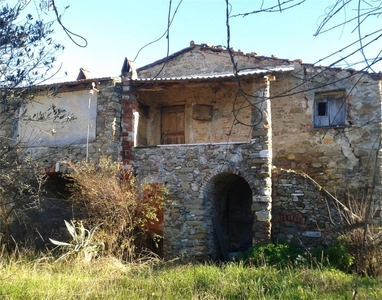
pixel 336 111
pixel 321 118
pixel 329 109
pixel 173 125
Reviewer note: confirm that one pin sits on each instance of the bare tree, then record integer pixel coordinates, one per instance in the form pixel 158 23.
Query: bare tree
pixel 356 18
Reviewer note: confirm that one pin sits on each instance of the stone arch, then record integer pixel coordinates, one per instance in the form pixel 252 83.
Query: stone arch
pixel 230 197
pixel 211 178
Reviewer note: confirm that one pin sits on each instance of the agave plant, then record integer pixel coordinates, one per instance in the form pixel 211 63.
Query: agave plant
pixel 82 242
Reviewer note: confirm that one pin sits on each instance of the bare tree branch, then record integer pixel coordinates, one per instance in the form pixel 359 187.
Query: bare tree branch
pixel 279 7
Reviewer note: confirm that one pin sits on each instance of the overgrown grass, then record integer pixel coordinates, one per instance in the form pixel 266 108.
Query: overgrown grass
pixel 108 278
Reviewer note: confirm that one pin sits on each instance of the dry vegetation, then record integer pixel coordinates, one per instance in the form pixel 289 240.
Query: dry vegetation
pixel 107 194
pixel 362 237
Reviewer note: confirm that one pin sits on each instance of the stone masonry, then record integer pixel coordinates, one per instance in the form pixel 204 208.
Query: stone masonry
pixel 302 211
pixel 188 172
pixel 339 158
pixel 342 159
pixel 107 131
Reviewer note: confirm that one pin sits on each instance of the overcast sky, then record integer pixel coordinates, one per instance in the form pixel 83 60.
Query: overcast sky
pixel 116 29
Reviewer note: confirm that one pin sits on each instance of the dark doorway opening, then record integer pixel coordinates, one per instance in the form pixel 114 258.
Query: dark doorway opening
pixel 231 213
pixel 41 218
pixel 239 216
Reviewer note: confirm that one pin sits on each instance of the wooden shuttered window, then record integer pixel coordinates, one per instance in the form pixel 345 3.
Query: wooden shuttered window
pixel 330 109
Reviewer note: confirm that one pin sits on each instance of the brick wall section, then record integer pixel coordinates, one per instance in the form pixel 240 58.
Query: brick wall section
pixel 129 106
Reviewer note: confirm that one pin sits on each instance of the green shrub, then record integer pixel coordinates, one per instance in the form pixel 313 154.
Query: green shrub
pixel 284 254
pixel 335 255
pixel 280 254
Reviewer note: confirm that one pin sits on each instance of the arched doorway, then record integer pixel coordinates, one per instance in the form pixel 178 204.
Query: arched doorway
pixel 239 216
pixel 231 213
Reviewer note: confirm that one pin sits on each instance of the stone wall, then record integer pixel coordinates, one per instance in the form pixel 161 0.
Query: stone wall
pixel 341 159
pixel 302 212
pixel 39 219
pixel 198 179
pixel 203 175
pixel 203 59
pixel 222 153
pixel 106 139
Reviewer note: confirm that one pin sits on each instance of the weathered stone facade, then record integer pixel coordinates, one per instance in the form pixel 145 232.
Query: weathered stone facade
pixel 92 133
pixel 212 136
pixel 342 159
pixel 339 156
pixel 105 125
pixel 199 179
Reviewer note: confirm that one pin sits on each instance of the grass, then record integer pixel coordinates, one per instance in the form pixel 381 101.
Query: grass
pixel 110 279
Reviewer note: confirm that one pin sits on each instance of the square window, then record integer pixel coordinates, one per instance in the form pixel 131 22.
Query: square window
pixel 329 109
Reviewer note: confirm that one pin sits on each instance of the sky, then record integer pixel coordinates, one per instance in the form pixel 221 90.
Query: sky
pixel 116 29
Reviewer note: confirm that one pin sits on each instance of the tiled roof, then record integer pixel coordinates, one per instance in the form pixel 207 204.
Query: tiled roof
pixel 76 82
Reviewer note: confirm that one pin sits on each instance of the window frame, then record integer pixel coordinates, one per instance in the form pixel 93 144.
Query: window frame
pixel 335 109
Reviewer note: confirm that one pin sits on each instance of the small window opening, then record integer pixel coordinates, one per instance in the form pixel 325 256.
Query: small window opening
pixel 321 108
pixel 330 109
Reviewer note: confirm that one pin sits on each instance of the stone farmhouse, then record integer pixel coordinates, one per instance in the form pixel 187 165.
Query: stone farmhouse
pixel 252 150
